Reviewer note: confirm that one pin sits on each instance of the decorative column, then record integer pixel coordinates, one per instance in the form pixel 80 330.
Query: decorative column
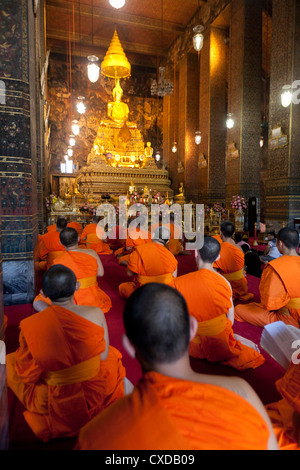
pixel 283 185
pixel 19 166
pixel 244 99
pixel 188 124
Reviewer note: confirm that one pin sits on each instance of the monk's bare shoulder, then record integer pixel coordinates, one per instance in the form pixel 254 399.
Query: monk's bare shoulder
pixel 234 384
pixel 88 251
pixel 93 314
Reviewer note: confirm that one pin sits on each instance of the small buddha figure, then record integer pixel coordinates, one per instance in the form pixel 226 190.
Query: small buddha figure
pixel 67 194
pixel 145 192
pixel 148 150
pixel 117 111
pixel 60 206
pixel 76 189
pixel 132 188
pixel 180 196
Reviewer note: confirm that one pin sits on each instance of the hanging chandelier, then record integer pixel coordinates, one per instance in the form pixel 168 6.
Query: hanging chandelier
pixel 198 37
pixel 117 3
pixel 75 127
pixel 81 108
pixel 229 121
pixel 198 137
pixel 162 87
pixel 93 68
pixel 286 96
pixel 174 148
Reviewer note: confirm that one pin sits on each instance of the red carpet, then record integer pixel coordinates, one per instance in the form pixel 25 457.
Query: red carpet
pixel 262 379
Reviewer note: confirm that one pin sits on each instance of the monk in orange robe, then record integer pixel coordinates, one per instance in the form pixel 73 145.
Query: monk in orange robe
pixel 136 236
pixel 279 287
pixel 172 407
pixel 150 262
pixel 209 299
pixel 285 414
pixel 117 238
pixel 64 371
pixel 232 262
pixel 50 246
pixel 175 242
pixel 87 267
pixel 94 238
pixel 76 225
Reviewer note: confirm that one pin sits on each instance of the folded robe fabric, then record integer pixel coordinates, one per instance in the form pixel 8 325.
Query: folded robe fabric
pixel 282 412
pixel 231 264
pixel 165 413
pixel 93 241
pixel 149 260
pixel 279 286
pixel 208 298
pixel 53 341
pixel 50 248
pixel 85 267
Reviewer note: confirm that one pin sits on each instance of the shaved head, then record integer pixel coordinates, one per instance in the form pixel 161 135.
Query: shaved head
pixel 210 250
pixel 289 237
pixel 227 228
pixel 68 237
pixel 162 234
pixel 59 282
pixel 157 323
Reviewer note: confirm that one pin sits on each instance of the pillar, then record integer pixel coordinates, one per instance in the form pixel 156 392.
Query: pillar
pixel 20 166
pixel 283 186
pixel 244 99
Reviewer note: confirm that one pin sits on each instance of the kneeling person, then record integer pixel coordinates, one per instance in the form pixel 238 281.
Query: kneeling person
pixel 172 407
pixel 64 371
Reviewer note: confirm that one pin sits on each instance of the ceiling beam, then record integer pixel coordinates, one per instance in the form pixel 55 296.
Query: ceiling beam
pixel 115 17
pixel 101 43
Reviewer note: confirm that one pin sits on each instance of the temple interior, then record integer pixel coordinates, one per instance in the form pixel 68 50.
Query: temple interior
pixel 161 102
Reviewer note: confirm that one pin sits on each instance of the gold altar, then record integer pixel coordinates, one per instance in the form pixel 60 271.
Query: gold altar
pixel 119 155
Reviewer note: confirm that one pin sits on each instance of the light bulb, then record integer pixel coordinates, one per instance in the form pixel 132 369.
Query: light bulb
pixel 72 141
pixel 198 137
pixel 198 38
pixel 286 96
pixel 261 142
pixel 75 127
pixel 157 156
pixel 229 121
pixel 174 148
pixel 93 68
pixel 117 3
pixel 70 152
pixel 80 105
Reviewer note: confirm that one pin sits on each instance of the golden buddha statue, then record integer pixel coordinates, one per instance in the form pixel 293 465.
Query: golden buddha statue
pixel 67 194
pixel 180 196
pixel 117 111
pixel 148 150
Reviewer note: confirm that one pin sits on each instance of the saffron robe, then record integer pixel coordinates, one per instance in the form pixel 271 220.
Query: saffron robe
pixel 278 287
pixel 231 265
pixel 131 243
pixel 60 400
pixel 175 242
pixel 77 226
pixel 50 248
pixel 91 238
pixel 85 268
pixel 281 413
pixel 208 297
pixel 165 413
pixel 117 238
pixel 150 262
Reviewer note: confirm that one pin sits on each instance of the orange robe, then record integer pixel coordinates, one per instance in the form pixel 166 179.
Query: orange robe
pixel 117 238
pixel 175 243
pixel 51 228
pixel 278 287
pixel 50 248
pixel 85 268
pixel 91 239
pixel 77 226
pixel 131 243
pixel 281 413
pixel 165 413
pixel 208 298
pixel 150 262
pixel 60 400
pixel 218 237
pixel 231 265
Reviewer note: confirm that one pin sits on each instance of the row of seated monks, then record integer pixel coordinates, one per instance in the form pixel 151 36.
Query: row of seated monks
pixel 72 382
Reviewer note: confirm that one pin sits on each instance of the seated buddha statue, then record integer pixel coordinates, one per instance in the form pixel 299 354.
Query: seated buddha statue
pixel 117 111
